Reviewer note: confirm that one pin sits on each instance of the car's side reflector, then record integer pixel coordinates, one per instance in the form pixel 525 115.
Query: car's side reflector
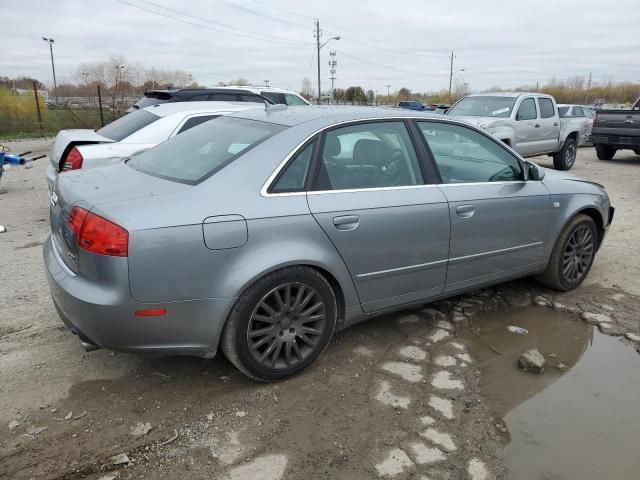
pixel 151 312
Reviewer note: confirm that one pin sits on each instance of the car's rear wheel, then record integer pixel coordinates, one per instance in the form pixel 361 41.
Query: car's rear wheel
pixel 280 324
pixel 605 152
pixel 572 255
pixel 566 157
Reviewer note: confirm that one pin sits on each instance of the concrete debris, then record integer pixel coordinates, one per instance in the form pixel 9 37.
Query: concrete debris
pixel 2 229
pixel 632 337
pixel 518 330
pixel 120 459
pixel 542 301
pixel 68 416
pixel 596 318
pixel 141 429
pixel 13 424
pixel 532 361
pixel 241 414
pixel 33 431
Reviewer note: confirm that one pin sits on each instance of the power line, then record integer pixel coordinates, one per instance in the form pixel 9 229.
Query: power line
pixel 269 38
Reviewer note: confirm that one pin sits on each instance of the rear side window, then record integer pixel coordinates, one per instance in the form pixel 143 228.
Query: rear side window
pixel 294 99
pixel 127 125
pixel 577 112
pixel 198 153
pixel 193 121
pixel 275 97
pixel 250 98
pixel 546 108
pixel 563 111
pixel 527 110
pixel 587 113
pixel 201 97
pixel 223 97
pixel 295 175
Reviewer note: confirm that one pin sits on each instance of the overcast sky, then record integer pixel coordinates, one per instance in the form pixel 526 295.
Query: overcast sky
pixel 398 42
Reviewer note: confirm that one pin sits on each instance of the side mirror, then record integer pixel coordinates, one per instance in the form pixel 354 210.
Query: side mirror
pixel 534 172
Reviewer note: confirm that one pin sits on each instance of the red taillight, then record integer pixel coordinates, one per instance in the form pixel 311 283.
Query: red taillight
pixel 98 235
pixel 73 161
pixel 595 120
pixel 151 312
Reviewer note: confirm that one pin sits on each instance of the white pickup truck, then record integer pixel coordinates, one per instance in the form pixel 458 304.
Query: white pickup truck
pixel 527 122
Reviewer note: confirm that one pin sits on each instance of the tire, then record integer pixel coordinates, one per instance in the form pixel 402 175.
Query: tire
pixel 559 272
pixel 637 152
pixel 267 316
pixel 605 152
pixel 566 157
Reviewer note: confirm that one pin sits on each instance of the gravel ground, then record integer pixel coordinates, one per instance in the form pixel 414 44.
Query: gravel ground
pixel 394 397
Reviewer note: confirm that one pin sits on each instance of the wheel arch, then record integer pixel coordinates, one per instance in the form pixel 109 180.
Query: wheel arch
pixel 597 217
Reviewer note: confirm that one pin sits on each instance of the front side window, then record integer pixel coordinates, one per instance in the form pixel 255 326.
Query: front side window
pixel 294 99
pixel 546 108
pixel 370 155
pixel 466 156
pixel 198 153
pixel 484 106
pixel 527 110
pixel 127 125
pixel 275 97
pixel 295 175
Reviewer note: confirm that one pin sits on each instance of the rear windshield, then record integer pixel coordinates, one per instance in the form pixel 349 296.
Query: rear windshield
pixel 563 111
pixel 153 98
pixel 127 125
pixel 481 106
pixel 198 153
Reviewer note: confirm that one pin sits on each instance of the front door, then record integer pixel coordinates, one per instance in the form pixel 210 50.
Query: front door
pixel 498 220
pixel 528 136
pixel 371 200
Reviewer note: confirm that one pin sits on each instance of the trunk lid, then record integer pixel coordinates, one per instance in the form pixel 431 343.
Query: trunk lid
pixel 67 138
pixel 91 188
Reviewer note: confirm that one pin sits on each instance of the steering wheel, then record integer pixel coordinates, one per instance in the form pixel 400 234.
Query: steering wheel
pixel 393 169
pixel 507 173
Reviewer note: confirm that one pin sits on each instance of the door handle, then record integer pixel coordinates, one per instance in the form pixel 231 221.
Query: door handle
pixel 555 124
pixel 537 125
pixel 346 222
pixel 466 211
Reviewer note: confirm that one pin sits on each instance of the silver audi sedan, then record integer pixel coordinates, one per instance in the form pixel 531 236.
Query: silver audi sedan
pixel 266 230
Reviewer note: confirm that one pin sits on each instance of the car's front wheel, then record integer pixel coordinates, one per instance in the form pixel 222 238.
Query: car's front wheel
pixel 566 157
pixel 572 255
pixel 280 324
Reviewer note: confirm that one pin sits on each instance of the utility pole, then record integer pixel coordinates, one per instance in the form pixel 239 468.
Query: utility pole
pixel 53 67
pixel 586 97
pixel 318 34
pixel 388 93
pixel 450 73
pixel 266 83
pixel 332 67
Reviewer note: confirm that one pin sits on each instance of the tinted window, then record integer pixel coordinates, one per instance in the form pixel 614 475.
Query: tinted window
pixel 481 106
pixel 403 104
pixel 125 126
pixel 465 156
pixel 201 97
pixel 250 98
pixel 203 150
pixel 223 97
pixel 371 155
pixel 193 121
pixel 527 110
pixel 275 97
pixel 563 111
pixel 294 99
pixel 294 177
pixel 546 108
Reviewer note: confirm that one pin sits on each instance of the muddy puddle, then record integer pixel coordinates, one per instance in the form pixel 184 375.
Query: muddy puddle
pixel 580 419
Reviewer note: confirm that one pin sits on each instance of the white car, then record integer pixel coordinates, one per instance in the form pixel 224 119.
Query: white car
pixel 276 95
pixel 579 112
pixel 135 132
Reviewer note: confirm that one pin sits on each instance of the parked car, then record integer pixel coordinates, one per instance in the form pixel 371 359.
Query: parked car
pixel 277 95
pixel 262 232
pixel 156 97
pixel 132 133
pixel 412 105
pixel 581 114
pixel 615 130
pixel 527 122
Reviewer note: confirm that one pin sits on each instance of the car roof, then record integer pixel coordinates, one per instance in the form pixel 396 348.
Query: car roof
pixel 175 91
pixel 290 116
pixel 258 89
pixel 507 94
pixel 164 109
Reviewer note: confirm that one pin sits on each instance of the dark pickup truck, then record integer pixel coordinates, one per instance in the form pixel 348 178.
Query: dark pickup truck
pixel 616 130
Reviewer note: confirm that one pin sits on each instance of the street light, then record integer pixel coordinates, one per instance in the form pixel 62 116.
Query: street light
pixel 318 53
pixel 53 68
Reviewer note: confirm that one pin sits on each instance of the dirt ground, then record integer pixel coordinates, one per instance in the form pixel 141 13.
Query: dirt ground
pixel 395 397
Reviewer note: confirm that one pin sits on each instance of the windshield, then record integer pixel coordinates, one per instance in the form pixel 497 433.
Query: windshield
pixel 198 153
pixel 127 125
pixel 481 106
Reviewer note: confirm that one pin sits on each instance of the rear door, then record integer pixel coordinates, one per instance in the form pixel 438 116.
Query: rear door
pixel 549 125
pixel 390 227
pixel 499 221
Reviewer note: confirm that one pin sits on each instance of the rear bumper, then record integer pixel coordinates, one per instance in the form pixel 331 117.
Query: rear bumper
pixel 106 318
pixel 616 141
